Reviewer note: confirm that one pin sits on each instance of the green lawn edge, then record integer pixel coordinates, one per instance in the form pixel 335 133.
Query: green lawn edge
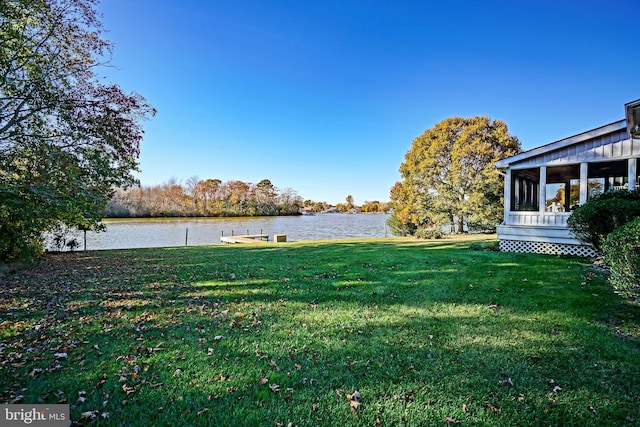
pixel 427 332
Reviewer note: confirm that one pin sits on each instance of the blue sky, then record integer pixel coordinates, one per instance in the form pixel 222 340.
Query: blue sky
pixel 326 96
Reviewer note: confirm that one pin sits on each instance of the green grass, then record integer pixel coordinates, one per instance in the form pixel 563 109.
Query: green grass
pixel 428 333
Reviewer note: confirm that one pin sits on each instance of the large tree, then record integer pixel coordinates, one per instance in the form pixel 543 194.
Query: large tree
pixel 449 177
pixel 67 139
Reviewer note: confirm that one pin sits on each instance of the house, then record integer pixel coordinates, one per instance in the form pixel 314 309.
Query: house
pixel 308 210
pixel 543 185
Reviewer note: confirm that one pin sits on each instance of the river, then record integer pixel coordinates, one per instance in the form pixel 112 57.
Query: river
pixel 149 233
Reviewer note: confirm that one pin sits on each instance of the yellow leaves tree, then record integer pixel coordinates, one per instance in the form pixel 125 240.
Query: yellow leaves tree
pixel 449 178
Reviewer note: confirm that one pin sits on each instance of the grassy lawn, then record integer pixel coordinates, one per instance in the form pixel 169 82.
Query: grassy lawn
pixel 427 333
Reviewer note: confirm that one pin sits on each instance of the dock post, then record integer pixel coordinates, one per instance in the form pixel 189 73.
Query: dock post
pixel 186 238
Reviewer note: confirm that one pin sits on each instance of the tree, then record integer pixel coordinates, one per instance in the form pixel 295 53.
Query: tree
pixel 67 140
pixel 266 197
pixel 349 200
pixel 449 177
pixel 193 191
pixel 210 190
pixel 290 202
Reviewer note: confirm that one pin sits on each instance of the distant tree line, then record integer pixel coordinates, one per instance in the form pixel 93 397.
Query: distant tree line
pixel 207 198
pixel 367 207
pixel 214 198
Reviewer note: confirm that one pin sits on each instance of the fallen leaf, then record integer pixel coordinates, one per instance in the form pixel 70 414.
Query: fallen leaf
pixel 202 411
pixel 34 371
pixel 354 400
pixel 89 415
pixel 508 381
pixel 493 408
pixel 177 372
pixel 60 355
pixel 128 389
pixel 102 381
pixel 450 420
pixel 274 388
pixel 263 381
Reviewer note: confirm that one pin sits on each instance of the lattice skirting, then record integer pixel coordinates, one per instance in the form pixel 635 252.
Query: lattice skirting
pixel 546 248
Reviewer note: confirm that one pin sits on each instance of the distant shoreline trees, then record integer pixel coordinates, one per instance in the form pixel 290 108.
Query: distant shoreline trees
pixel 203 198
pixel 214 198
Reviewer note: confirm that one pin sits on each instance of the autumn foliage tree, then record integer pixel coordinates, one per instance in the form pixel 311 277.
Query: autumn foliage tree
pixel 67 139
pixel 449 177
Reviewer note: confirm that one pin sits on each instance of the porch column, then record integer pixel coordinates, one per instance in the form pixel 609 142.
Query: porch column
pixel 632 167
pixel 543 191
pixel 584 181
pixel 507 195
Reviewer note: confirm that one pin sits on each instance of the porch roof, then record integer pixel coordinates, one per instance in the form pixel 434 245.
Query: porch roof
pixel 563 143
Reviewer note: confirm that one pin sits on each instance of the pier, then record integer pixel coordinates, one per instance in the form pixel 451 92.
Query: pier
pixel 253 238
pixel 249 238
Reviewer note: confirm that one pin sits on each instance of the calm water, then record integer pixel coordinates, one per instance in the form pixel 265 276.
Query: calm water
pixel 147 233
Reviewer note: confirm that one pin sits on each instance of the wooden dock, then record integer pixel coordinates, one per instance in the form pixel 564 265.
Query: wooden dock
pixel 249 238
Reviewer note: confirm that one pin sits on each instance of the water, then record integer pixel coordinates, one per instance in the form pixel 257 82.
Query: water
pixel 148 233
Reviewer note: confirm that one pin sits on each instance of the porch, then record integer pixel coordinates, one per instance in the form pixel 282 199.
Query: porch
pixel 544 185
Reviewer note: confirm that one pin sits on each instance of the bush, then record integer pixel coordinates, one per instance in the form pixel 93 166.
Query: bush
pixel 597 218
pixel 493 246
pixel 429 232
pixel 398 228
pixel 20 239
pixel 622 253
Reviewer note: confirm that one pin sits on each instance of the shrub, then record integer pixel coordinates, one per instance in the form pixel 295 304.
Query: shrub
pixel 429 232
pixel 20 240
pixel 597 218
pixel 492 246
pixel 622 253
pixel 398 228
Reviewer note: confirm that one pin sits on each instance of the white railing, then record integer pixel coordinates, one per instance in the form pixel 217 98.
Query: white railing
pixel 549 219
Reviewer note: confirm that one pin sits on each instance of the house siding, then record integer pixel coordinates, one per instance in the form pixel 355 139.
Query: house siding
pixel 615 146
